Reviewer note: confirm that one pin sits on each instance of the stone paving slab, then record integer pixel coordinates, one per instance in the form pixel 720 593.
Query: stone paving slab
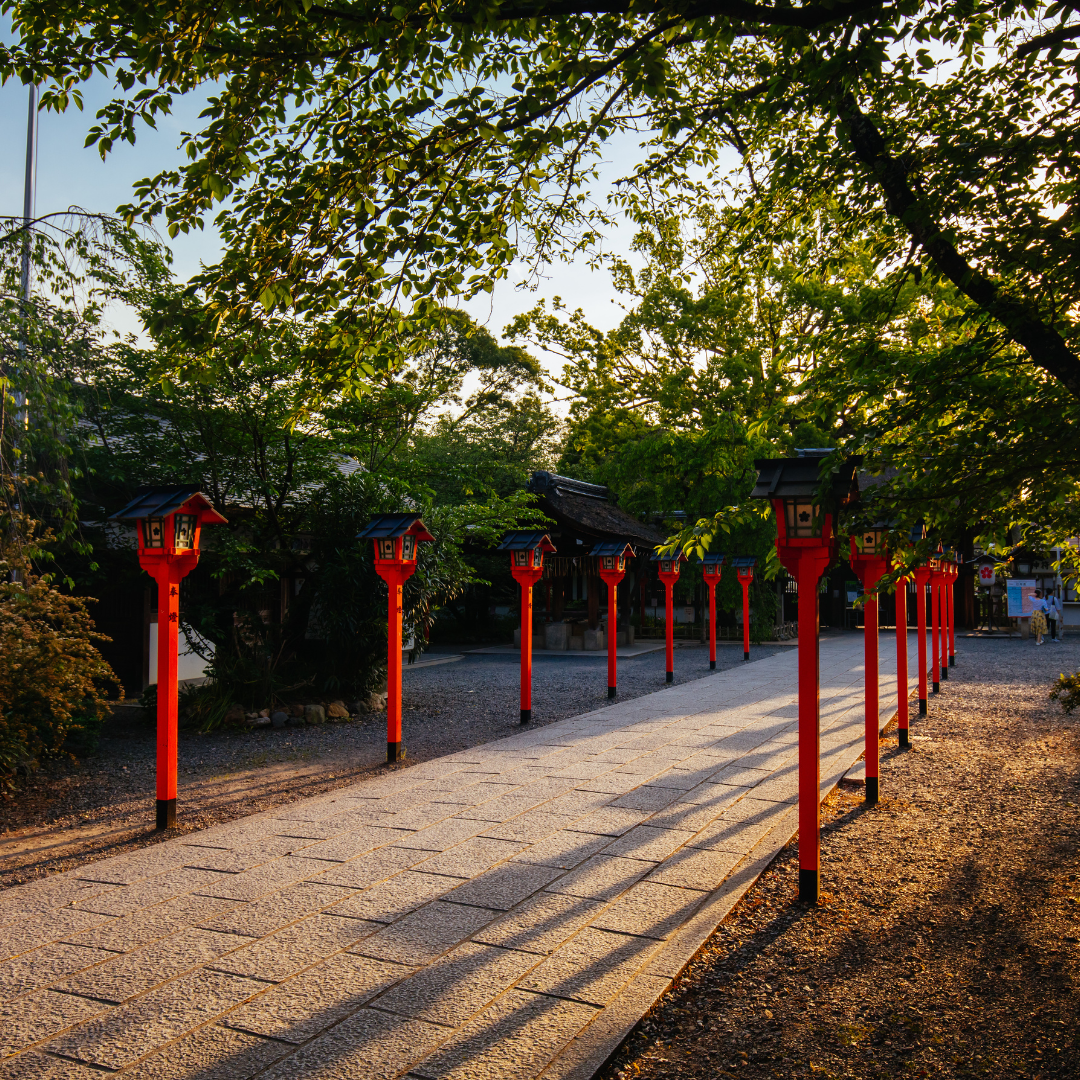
pixel 506 913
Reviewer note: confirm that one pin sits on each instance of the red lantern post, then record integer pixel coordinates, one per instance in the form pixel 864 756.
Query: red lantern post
pixel 935 619
pixel 527 566
pixel 669 574
pixel 744 571
pixel 395 537
pixel 916 534
pixel 612 556
pixel 902 719
pixel 169 532
pixel 921 576
pixel 806 544
pixel 711 564
pixel 870 562
pixel 954 573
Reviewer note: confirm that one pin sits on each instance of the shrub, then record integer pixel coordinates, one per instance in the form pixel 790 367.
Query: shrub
pixel 1067 691
pixel 51 675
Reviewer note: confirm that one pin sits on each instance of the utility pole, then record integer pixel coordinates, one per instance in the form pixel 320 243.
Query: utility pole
pixel 29 197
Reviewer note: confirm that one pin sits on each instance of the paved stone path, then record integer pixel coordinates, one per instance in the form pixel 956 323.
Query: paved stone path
pixel 505 912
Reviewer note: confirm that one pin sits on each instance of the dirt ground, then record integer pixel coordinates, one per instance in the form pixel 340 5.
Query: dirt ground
pixel 948 940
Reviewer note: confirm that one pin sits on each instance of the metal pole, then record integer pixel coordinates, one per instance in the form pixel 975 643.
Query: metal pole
pixel 29 199
pixel 935 634
pixel 746 618
pixel 395 748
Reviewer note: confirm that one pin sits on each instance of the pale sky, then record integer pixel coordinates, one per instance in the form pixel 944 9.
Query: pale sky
pixel 71 175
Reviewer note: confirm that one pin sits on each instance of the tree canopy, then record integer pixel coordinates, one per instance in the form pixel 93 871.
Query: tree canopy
pixel 368 161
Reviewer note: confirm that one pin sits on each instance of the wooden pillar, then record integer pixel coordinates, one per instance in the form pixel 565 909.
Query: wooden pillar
pixel 593 586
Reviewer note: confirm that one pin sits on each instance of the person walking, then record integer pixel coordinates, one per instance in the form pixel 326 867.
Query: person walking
pixel 1038 617
pixel 1057 618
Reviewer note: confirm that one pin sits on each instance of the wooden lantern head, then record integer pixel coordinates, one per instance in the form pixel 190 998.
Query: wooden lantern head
pixel 612 555
pixel 395 537
pixel 527 548
pixel 744 568
pixel 169 523
pixel 710 565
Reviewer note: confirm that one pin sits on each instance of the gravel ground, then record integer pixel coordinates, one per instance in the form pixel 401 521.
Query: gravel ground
pixel 948 940
pixel 74 812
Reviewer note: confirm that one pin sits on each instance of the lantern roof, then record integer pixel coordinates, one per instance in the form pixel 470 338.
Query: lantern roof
pixel 657 557
pixel 391 526
pixel 741 562
pixel 711 557
pixel 162 501
pixel 783 478
pixel 526 540
pixel 613 547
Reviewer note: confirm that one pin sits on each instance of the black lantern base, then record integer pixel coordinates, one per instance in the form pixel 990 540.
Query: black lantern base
pixel 905 741
pixel 610 692
pixel 670 677
pixel 395 751
pixel 871 789
pixel 952 661
pixel 936 687
pixel 746 656
pixel 945 672
pixel 712 665
pixel 808 885
pixel 922 706
pixel 526 716
pixel 166 813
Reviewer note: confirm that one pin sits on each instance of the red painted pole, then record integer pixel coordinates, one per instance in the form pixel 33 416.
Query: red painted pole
pixel 935 642
pixel 612 624
pixel 902 662
pixel 872 709
pixel 712 623
pixel 746 618
pixel 953 574
pixel 395 748
pixel 810 568
pixel 669 600
pixel 921 576
pixel 526 650
pixel 168 580
pixel 944 622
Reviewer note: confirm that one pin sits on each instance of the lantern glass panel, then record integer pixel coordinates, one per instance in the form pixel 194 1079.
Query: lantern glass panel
pixel 621 562
pixel 665 565
pixel 408 547
pixel 802 517
pixel 386 548
pixel 710 569
pixel 184 531
pixel 521 558
pixel 609 562
pixel 153 532
pixel 872 542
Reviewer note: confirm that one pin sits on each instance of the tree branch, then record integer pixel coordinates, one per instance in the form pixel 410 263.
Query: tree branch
pixel 1022 320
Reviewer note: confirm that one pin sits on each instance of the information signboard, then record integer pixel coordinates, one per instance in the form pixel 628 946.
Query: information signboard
pixel 1020 593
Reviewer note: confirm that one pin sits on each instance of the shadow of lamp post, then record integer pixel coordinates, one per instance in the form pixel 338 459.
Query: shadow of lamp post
pixel 169 524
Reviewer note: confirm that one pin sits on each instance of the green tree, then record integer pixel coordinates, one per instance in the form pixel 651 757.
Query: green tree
pixel 368 162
